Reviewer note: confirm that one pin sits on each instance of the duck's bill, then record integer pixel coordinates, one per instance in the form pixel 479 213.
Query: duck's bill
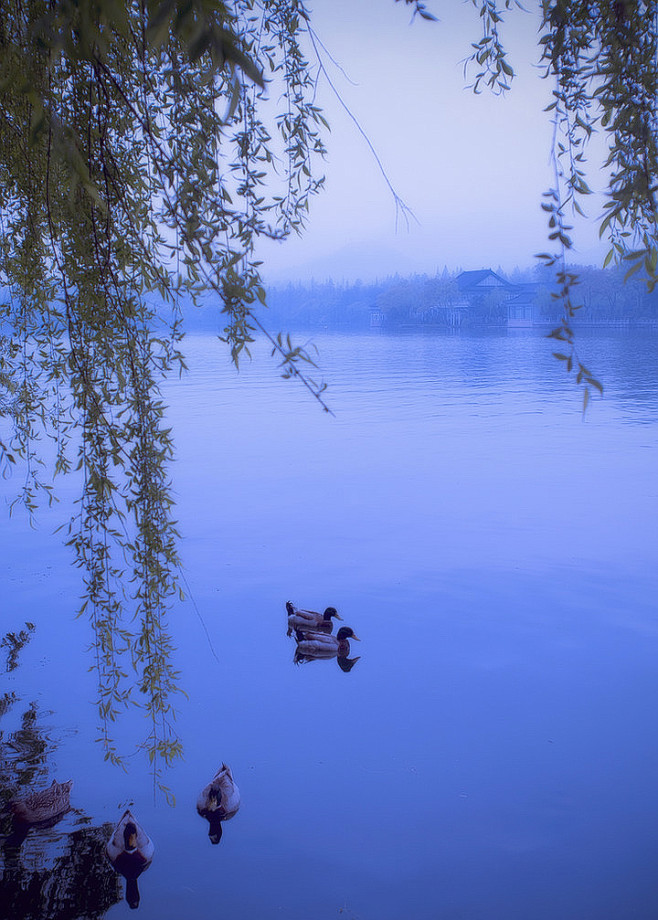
pixel 355 637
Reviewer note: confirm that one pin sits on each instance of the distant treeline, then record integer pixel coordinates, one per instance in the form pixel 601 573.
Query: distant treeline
pixel 419 300
pixel 400 302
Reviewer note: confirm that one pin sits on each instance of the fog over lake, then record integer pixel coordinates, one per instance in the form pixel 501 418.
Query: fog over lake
pixel 493 753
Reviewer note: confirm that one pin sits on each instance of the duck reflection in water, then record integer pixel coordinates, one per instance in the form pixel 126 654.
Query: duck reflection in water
pixel 130 851
pixel 43 808
pixel 299 618
pixel 218 801
pixel 313 646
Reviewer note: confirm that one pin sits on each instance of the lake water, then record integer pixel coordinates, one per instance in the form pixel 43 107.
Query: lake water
pixel 493 755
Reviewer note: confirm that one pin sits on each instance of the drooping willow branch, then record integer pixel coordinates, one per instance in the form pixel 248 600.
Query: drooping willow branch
pixel 140 162
pixel 602 58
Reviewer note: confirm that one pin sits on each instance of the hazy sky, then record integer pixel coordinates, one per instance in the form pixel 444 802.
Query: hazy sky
pixel 472 168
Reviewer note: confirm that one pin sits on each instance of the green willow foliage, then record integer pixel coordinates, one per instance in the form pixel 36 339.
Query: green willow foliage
pixel 602 59
pixel 145 146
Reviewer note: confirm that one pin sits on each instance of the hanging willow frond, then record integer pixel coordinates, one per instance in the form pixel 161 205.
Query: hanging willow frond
pixel 140 161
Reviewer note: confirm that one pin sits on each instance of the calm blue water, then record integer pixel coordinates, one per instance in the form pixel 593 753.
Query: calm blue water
pixel 493 755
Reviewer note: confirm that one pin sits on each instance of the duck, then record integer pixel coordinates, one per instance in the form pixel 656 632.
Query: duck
pixel 299 618
pixel 130 850
pixel 320 645
pixel 218 801
pixel 44 806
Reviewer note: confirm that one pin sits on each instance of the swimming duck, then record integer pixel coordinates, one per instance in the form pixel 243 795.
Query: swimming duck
pixel 299 618
pixel 130 850
pixel 45 806
pixel 320 645
pixel 218 801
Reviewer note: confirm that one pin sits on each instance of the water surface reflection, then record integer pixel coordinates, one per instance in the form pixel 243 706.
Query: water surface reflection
pixel 47 871
pixel 58 876
pixel 501 554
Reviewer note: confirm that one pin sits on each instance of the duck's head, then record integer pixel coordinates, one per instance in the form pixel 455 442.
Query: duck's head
pixel 289 608
pixel 331 612
pixel 346 632
pixel 130 837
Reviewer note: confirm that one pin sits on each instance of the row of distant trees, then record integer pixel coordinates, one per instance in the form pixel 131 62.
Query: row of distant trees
pixel 603 294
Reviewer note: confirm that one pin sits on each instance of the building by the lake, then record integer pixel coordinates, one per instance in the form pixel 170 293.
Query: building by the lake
pixel 489 298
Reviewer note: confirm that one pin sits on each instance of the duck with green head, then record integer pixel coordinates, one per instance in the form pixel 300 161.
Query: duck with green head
pixel 320 645
pixel 313 620
pixel 218 802
pixel 130 850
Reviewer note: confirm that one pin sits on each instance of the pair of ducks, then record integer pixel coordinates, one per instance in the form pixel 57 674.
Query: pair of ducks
pixel 130 849
pixel 312 631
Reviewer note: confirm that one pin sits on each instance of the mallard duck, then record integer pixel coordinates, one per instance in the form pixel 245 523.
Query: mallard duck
pixel 130 850
pixel 45 806
pixel 218 801
pixel 320 645
pixel 299 618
